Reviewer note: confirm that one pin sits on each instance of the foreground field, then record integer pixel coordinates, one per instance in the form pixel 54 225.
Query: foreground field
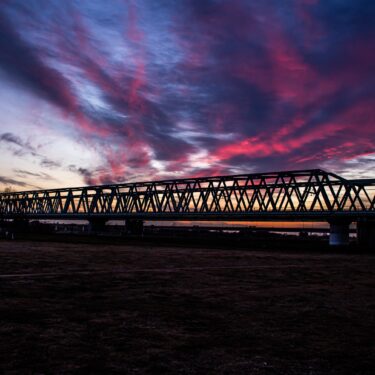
pixel 105 309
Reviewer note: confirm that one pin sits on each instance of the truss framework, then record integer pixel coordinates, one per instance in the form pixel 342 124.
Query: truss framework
pixel 280 194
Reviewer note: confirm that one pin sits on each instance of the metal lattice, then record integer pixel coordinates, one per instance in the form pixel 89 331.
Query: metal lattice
pixel 311 194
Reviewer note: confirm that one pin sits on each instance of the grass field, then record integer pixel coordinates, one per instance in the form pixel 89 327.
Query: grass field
pixel 69 308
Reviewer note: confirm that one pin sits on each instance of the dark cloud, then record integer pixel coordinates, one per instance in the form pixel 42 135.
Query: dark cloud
pixel 48 163
pixel 22 173
pixel 40 176
pixel 23 147
pixel 11 138
pixel 21 61
pixel 217 84
pixel 88 176
pixel 13 182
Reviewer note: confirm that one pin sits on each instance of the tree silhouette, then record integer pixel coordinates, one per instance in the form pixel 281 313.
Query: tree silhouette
pixel 8 189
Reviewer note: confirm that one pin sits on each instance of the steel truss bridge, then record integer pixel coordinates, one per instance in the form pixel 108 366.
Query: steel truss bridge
pixel 307 195
pixel 294 195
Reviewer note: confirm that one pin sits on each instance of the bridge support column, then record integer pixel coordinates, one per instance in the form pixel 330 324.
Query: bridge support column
pixel 134 226
pixel 339 233
pixel 97 225
pixel 366 234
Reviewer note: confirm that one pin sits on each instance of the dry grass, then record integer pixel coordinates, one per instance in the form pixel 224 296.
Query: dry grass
pixel 105 309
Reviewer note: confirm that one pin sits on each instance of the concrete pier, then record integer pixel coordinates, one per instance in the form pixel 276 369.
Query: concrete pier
pixel 339 233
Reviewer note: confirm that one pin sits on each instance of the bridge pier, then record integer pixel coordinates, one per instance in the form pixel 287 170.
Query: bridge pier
pixel 134 226
pixel 366 233
pixel 339 233
pixel 97 225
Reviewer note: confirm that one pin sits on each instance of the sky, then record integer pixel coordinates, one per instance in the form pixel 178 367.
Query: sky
pixel 97 92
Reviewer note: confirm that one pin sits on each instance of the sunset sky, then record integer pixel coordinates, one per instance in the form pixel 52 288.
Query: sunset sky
pixel 94 92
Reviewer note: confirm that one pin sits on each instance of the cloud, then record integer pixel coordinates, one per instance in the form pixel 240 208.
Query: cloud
pixel 48 163
pixel 20 60
pixel 13 182
pixel 11 138
pixel 200 86
pixel 85 173
pixel 24 148
pixel 40 176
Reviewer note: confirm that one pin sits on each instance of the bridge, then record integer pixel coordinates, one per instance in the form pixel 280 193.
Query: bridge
pixel 304 195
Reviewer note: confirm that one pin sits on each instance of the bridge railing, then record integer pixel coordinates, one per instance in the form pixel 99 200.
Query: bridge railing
pixel 282 192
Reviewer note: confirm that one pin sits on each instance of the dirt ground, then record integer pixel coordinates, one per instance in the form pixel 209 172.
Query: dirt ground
pixel 68 308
